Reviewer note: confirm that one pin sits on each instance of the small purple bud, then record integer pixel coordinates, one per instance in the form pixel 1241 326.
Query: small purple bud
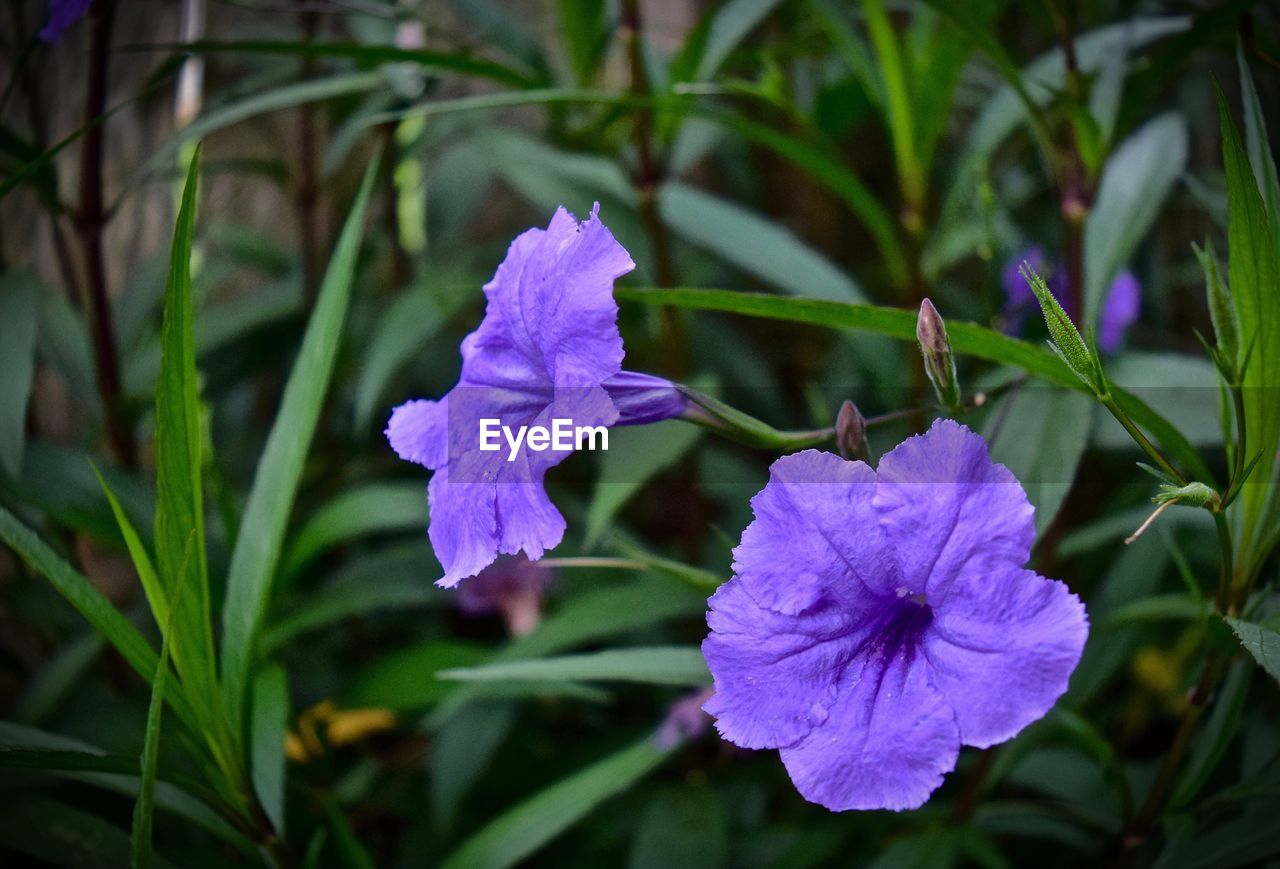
pixel 939 363
pixel 685 720
pixel 851 432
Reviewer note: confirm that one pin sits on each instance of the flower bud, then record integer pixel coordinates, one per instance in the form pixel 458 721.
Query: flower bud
pixel 939 363
pixel 1222 309
pixel 1066 339
pixel 851 432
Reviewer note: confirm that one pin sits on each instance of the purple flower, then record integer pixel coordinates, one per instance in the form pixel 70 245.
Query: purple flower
pixel 62 14
pixel 1120 308
pixel 511 587
pixel 548 349
pixel 880 619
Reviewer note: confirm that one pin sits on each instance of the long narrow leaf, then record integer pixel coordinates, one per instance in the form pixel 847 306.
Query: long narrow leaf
pixel 524 829
pixel 181 561
pixel 657 665
pixel 257 552
pixel 968 339
pixel 144 808
pixel 270 717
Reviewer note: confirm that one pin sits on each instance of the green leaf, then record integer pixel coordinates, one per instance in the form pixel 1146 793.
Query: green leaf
pixel 898 100
pixel 521 831
pixel 409 678
pixel 270 718
pixel 654 665
pixel 460 752
pixel 968 339
pixel 1262 640
pixel 274 100
pixel 258 547
pixel 755 245
pixel 732 23
pixel 636 455
pixel 56 678
pixel 152 587
pixel 59 835
pixel 409 324
pixel 144 808
pixel 1253 275
pixel 370 509
pixel 88 601
pixel 1213 739
pixel 181 562
pixel 1255 136
pixel 399 578
pixel 367 54
pixel 1044 446
pixel 20 300
pixel 685 828
pixel 582 25
pixel 1138 179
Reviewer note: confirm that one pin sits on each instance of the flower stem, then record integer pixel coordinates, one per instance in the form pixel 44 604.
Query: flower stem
pixel 1140 438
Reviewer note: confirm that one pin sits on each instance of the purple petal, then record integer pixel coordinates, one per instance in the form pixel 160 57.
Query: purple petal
pixel 463 528
pixel 947 507
pixel 774 674
pixel 886 743
pixel 817 513
pixel 643 398
pixel 1002 647
pixel 418 432
pixel 1119 310
pixel 62 15
pixel 552 300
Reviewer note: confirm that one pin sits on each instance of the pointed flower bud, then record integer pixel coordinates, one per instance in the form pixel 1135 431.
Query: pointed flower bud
pixel 1222 309
pixel 851 432
pixel 1066 341
pixel 939 363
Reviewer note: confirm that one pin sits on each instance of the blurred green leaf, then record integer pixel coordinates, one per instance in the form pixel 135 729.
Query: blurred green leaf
pixel 1174 606
pixel 967 339
pixel 1253 274
pixel 258 547
pixel 270 718
pixel 495 25
pixel 686 828
pixel 635 456
pixel 656 665
pixel 1255 137
pixel 20 301
pixel 396 579
pixel 364 54
pixel 1262 640
pixel 408 678
pixel 1138 179
pixel 582 25
pixel 1040 434
pixel 63 344
pixel 273 100
pixel 755 245
pixel 56 678
pixel 521 831
pixel 460 752
pixel 938 848
pixel 88 601
pixel 898 104
pixel 1216 735
pixel 181 560
pixel 409 324
pixel 140 854
pixel 59 835
pixel 731 23
pixel 370 509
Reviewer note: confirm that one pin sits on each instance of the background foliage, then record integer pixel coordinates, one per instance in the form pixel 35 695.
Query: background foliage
pixel 220 638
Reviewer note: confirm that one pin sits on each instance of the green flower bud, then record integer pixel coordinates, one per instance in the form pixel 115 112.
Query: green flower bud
pixel 1066 341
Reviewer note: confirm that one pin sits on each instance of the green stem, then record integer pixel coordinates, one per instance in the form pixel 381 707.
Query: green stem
pixel 1140 438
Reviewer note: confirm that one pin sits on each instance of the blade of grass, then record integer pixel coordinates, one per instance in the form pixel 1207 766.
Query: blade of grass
pixel 257 552
pixel 144 808
pixel 270 717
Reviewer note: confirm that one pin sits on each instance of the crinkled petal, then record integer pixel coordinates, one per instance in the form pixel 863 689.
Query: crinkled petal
pixel 774 674
pixel 815 536
pixel 643 398
pixel 1002 647
pixel 886 744
pixel 526 519
pixel 947 507
pixel 418 432
pixel 463 527
pixel 552 299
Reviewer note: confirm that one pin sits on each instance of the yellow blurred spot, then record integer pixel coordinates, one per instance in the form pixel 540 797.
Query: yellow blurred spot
pixel 352 725
pixel 1158 671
